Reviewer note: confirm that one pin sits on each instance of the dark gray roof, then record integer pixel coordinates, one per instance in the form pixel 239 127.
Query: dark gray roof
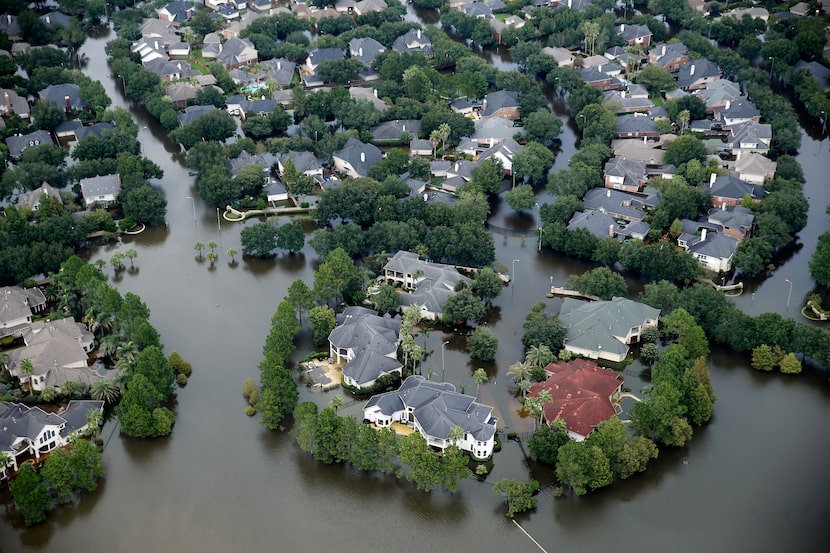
pixel 57 93
pixel 727 186
pixel 53 19
pixel 232 49
pixel 716 245
pixel 594 75
pixel 663 54
pixel 732 216
pixel 597 223
pixel 696 69
pixel 615 203
pixel 499 100
pixel 817 70
pixel 20 142
pixel 273 187
pixel 741 108
pixel 18 421
pixel 365 49
pixel 265 160
pixel 17 303
pixel 602 323
pixel 76 412
pixel 192 113
pixel 476 9
pixel 351 153
pixel 632 171
pixel 178 10
pixel 392 130
pixel 279 69
pixel 633 123
pixel 370 337
pixel 316 57
pixel 414 40
pixel 630 32
pixel 303 161
pixel 101 185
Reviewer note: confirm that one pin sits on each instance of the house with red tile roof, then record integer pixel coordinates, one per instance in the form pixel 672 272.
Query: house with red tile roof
pixel 584 395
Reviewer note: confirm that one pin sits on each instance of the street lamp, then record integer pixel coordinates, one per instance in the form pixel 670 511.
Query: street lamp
pixel 771 63
pixel 193 203
pixel 790 293
pixel 513 272
pixel 443 365
pixel 584 123
pixel 123 84
pixel 218 220
pixel 823 122
pixel 538 228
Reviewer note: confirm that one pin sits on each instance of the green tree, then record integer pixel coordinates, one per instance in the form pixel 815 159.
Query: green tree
pixel 539 356
pixel 290 237
pixel 322 323
pixel 259 239
pixel 30 495
pixel 790 364
pixel 487 285
pixel 545 442
pixel 462 307
pixel 105 390
pixel 305 426
pixel 656 79
pixel 144 204
pixel 387 300
pixel 602 282
pixel 820 261
pixel 300 297
pixel 47 115
pixel 419 464
pixel 518 495
pixel 542 328
pixel 543 127
pixel 232 253
pixel 521 198
pixel 278 395
pixel 479 377
pixel 683 149
pixel 199 247
pixel 582 467
pixel 764 358
pixel 533 162
pixel 483 344
pixel 135 410
pixel 152 363
pixel 487 176
pixel 26 369
pixel 634 456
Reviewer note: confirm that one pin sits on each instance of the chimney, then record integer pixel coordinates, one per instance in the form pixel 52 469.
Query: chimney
pixel 611 231
pixel 712 178
pixel 375 92
pixel 156 45
pixel 703 235
pixel 692 70
pixel 622 94
pixel 48 20
pixel 608 193
pixel 426 196
pixel 622 28
pixel 403 128
pixel 179 65
pixel 419 34
pixel 279 65
pixel 360 52
pixel 68 104
pixel 664 50
pixel 727 105
pixel 8 104
pixel 362 157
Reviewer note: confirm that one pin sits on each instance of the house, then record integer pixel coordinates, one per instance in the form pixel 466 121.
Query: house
pixel 624 57
pixel 718 94
pixel 17 305
pixel 459 173
pixel 275 191
pixel 603 329
pixel 58 353
pixel 670 57
pixel 596 78
pixel 563 57
pixel 626 103
pixel 754 13
pixel 367 343
pixel 243 106
pixel 356 158
pixel 368 6
pixel 65 96
pixel 319 55
pixel 634 34
pixel 56 20
pixel 583 395
pixel 433 409
pixel 420 147
pixel 749 137
pixel 502 103
pixel 267 161
pixel 414 41
pixel 162 31
pixel 365 49
pixel 345 6
pixel 238 52
pixel 370 94
pixel 13 104
pixel 17 144
pixel 801 9
pixel 465 106
pixel 304 162
pixel 615 203
pixel 182 93
pixel 428 285
pixel 191 113
pixel 504 151
pixel 32 199
pixel 636 125
pixel 817 70
pixel 280 70
pixel 103 189
pixel 596 222
pixel 755 168
pixel 149 49
pixel 697 74
pixel 260 6
pixel 637 150
pixel 211 46
pixel 739 110
pixel 170 70
pixel 467 146
pixel 30 431
pixel 479 10
pixel 180 51
pixel 713 250
pixel 734 220
pixel 392 131
pixel 228 11
pixel 176 12
pixel 494 130
pixel 625 174
pixel 728 190
pixel 10 26
pixel 635 230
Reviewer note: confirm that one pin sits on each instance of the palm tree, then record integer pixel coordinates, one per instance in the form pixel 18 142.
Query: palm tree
pixel 212 245
pixel 232 253
pixel 108 345
pixel 519 371
pixel 100 263
pixel 544 398
pixel 198 246
pixel 212 257
pixel 524 386
pixel 94 421
pixel 683 119
pixel 336 403
pixel 444 132
pixel 69 389
pixel 26 370
pixel 48 395
pixel 117 261
pixel 105 390
pixel 479 377
pixel 131 254
pixel 125 354
pixel 434 138
pixel 456 434
pixel 539 356
pixel 533 407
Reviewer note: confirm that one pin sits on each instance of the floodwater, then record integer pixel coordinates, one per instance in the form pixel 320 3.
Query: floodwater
pixel 754 479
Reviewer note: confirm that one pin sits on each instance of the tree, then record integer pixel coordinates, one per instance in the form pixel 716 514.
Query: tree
pixel 421 465
pixel 105 390
pixel 30 494
pixel 259 239
pixel 582 466
pixel 322 323
pixel 542 328
pixel 634 456
pixel 387 300
pixel 533 162
pixel 144 204
pixel 486 177
pixel 518 495
pixel 521 198
pixel 300 297
pixel 212 257
pixel 26 369
pixel 483 344
pixel 278 395
pixel 152 363
pixel 543 127
pixel 136 409
pixel 683 149
pixel 539 356
pixel 336 403
pixel 545 442
pixel 487 285
pixel 199 247
pixel 656 79
pixel 480 377
pixel 463 307
pixel 47 115
pixel 131 254
pixel 820 261
pixel 602 282
pixel 290 237
pixel 764 358
pixel 790 364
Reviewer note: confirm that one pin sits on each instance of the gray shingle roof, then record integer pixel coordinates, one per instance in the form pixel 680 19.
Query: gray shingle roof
pixel 633 123
pixel 101 185
pixel 727 186
pixel 191 113
pixel 57 94
pixel 414 40
pixel 630 32
pixel 615 203
pixel 597 223
pixel 696 69
pixel 18 143
pixel 365 49
pixel 351 153
pixel 392 130
pixel 371 338
pixel 603 323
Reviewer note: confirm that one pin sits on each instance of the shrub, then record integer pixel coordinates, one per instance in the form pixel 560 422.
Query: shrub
pixel 250 410
pixel 253 399
pixel 181 379
pixel 248 388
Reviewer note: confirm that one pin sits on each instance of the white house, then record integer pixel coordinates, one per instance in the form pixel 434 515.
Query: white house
pixel 433 409
pixel 368 344
pixel 714 250
pixel 428 285
pixel 16 308
pixel 103 189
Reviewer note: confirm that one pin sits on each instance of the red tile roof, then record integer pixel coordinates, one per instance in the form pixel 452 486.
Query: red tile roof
pixel 581 394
